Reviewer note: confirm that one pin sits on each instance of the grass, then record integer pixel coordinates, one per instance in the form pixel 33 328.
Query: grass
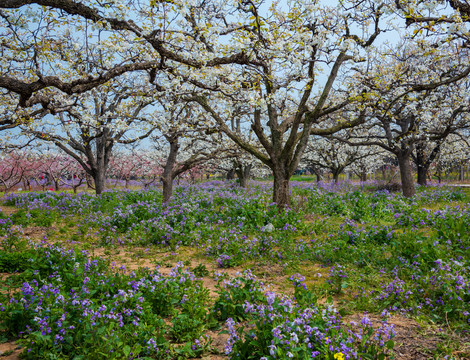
pixel 320 237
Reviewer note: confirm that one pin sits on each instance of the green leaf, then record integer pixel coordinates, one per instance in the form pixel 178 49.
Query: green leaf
pixel 126 349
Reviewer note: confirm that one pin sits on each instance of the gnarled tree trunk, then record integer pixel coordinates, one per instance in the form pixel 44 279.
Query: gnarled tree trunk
pixel 422 176
pixel 406 174
pixel 281 190
pixel 99 177
pixel 168 174
pixel 243 174
pixel 335 176
pixel 230 174
pixel 167 188
pixel 421 167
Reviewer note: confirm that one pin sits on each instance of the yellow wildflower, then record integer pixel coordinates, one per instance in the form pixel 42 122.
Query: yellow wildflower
pixel 339 356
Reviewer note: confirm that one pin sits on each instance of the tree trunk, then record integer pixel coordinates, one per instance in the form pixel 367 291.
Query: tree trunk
pixel 168 173
pixel 231 174
pixel 89 180
pixel 243 173
pixel 281 190
pixel 99 169
pixel 422 178
pixel 335 176
pixel 167 188
pixel 317 174
pixel 406 175
pixel 363 176
pixel 420 162
pixel 100 180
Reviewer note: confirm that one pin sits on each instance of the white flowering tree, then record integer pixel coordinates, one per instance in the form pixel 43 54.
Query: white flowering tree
pixel 338 156
pixel 448 20
pixel 88 126
pixel 454 155
pixel 184 141
pixel 283 69
pixel 448 113
pixel 56 51
pixel 445 22
pixel 403 92
pixel 75 46
pixel 288 100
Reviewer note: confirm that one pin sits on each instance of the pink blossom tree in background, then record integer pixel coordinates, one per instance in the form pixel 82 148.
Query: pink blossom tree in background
pixel 53 168
pixel 10 174
pixel 18 167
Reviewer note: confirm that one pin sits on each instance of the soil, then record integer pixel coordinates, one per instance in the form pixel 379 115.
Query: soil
pixel 8 210
pixel 416 342
pixel 11 349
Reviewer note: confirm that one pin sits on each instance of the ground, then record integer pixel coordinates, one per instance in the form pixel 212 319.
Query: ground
pixel 417 337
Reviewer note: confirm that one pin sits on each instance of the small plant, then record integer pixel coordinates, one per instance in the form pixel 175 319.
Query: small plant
pixel 301 293
pixel 234 293
pixel 338 278
pixel 201 270
pixel 15 261
pixel 185 328
pixel 225 261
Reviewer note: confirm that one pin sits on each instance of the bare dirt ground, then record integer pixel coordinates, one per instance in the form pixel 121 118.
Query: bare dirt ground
pixel 8 210
pixel 10 351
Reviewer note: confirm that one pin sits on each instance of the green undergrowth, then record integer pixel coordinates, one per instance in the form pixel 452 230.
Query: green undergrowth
pixel 361 251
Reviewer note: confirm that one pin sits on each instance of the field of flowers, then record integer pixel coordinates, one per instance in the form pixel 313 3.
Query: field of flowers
pixel 123 276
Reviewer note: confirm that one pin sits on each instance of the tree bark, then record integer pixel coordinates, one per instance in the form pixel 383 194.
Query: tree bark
pixel 230 174
pixel 99 178
pixel 335 176
pixel 57 184
pixel 363 176
pixel 167 188
pixel 422 175
pixel 423 163
pixel 281 190
pixel 420 162
pixel 100 166
pixel 406 175
pixel 439 172
pixel 243 174
pixel 168 175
